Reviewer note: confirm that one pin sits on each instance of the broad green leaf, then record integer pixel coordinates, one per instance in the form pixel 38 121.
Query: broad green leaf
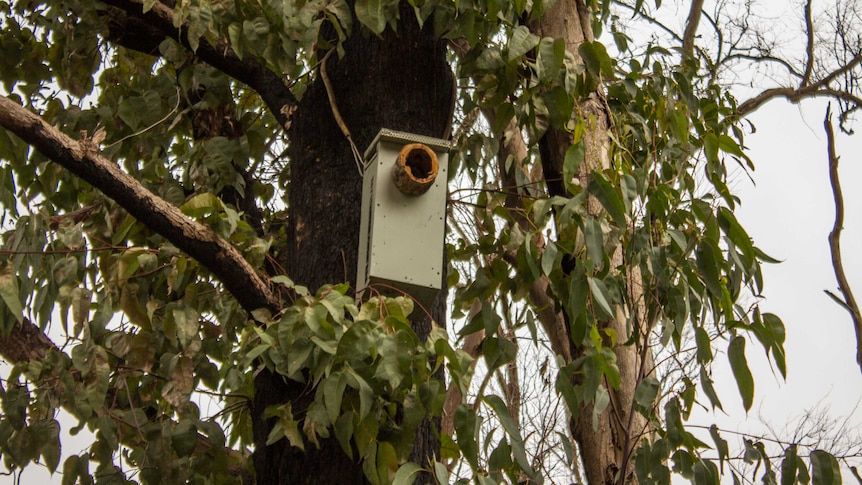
pixel 728 223
pixel 646 394
pixel 406 474
pixel 595 241
pixel 201 205
pixel 549 257
pixel 552 53
pixel 709 389
pixel 610 199
pixel 708 263
pixel 741 372
pixel 387 462
pixel 9 292
pixel 601 297
pixel 521 42
pixel 824 469
pixel 596 58
pixel 371 14
pixel 704 345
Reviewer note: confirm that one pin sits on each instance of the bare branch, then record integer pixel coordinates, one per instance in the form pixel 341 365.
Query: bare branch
pixel 796 95
pixel 809 48
pixel 691 27
pixel 198 241
pixel 835 237
pixel 269 85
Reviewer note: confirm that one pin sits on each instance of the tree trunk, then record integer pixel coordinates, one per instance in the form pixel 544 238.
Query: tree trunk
pixel 605 450
pixel 401 81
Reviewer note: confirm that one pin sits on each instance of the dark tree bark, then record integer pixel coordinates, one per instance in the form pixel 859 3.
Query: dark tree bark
pixel 401 81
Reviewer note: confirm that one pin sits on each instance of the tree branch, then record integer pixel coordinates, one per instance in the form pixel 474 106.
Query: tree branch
pixel 809 48
pixel 835 237
pixel 198 241
pixel 691 27
pixel 270 86
pixel 795 95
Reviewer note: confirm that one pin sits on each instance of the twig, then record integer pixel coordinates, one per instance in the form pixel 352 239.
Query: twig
pixel 357 157
pixel 849 302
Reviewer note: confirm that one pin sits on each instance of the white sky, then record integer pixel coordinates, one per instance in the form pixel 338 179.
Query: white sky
pixel 790 214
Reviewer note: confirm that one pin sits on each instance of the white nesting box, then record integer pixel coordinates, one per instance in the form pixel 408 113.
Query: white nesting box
pixel 401 237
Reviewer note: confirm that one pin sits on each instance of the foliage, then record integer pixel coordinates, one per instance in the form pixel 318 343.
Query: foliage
pixel 650 238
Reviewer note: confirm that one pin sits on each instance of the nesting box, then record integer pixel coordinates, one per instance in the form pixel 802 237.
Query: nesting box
pixel 401 237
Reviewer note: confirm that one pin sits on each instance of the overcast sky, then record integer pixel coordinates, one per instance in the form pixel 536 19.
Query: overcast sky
pixel 790 213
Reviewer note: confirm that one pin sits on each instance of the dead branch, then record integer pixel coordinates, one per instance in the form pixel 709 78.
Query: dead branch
pixel 849 302
pixel 201 243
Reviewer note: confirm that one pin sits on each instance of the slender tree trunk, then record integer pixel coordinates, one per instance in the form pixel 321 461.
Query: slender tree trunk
pixel 604 449
pixel 399 81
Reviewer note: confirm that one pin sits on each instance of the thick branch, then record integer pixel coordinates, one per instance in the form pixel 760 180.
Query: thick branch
pixel 849 302
pixel 691 27
pixel 268 84
pixel 198 241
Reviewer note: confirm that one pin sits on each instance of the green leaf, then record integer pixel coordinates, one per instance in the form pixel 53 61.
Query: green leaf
pixel 709 389
pixel 9 293
pixel 466 427
pixel 406 474
pixel 789 466
pixel 824 469
pixel 387 461
pixel 720 446
pixel 521 42
pixel 704 345
pixel 601 297
pixel 728 223
pixel 709 267
pixel 741 372
pixel 552 53
pixel 610 199
pixel 549 257
pixel 514 433
pixel 596 58
pixel 201 205
pixel 572 163
pixel 646 394
pixel 595 241
pixel 371 14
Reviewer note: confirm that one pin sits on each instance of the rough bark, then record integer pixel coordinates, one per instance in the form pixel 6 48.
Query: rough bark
pixel 400 81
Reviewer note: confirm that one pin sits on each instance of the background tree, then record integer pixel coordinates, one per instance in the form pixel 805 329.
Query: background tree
pixel 175 239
